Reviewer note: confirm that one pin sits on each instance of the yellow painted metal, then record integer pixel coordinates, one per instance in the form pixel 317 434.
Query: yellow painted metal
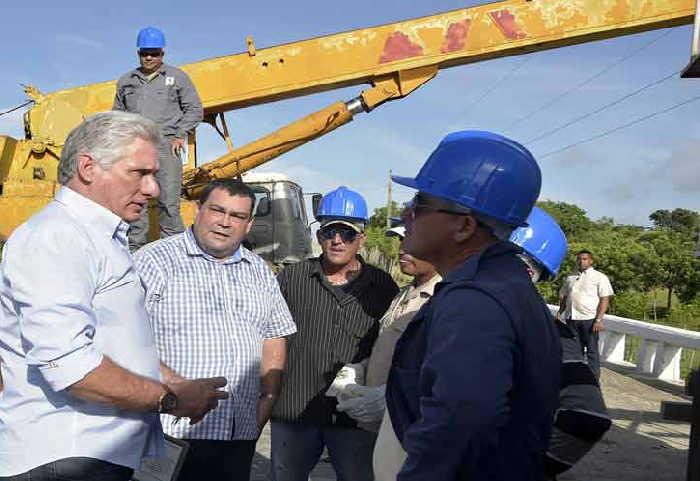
pixel 390 57
pixel 458 37
pixel 255 153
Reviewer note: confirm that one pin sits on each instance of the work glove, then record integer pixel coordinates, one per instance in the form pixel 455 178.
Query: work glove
pixel 364 404
pixel 349 375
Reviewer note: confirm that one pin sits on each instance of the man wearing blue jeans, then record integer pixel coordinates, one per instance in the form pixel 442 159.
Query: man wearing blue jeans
pixel 336 301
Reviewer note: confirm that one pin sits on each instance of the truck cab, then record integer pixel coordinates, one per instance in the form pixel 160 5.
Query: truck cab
pixel 280 234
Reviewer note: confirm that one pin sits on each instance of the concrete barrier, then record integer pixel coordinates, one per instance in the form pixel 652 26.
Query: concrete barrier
pixel 659 350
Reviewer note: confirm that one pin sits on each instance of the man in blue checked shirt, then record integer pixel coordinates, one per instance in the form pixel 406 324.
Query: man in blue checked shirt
pixel 216 307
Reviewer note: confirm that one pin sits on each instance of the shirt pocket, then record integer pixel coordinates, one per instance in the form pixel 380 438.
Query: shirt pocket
pixel 251 305
pixel 130 98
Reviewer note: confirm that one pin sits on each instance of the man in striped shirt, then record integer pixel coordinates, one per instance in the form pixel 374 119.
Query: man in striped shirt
pixel 336 301
pixel 216 308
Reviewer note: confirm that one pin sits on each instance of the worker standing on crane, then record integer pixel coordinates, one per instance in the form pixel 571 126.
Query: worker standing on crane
pixel 336 301
pixel 366 404
pixel 582 418
pixel 166 95
pixel 474 381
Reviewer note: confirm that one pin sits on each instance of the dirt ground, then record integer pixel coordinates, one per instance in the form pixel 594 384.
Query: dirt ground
pixel 639 447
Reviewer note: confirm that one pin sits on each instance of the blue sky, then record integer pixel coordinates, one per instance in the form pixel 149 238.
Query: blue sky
pixel 626 175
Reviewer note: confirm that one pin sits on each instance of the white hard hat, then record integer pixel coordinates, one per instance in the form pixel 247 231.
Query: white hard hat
pixel 398 231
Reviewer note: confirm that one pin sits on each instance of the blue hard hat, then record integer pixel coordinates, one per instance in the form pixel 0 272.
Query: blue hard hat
pixel 343 203
pixel 543 240
pixel 150 37
pixel 491 174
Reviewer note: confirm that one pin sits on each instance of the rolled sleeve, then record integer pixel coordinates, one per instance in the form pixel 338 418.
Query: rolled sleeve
pixel 604 287
pixel 66 371
pixel 280 322
pixel 52 285
pixel 463 386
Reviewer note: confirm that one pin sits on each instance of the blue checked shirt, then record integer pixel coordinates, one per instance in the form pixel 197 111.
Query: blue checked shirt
pixel 210 319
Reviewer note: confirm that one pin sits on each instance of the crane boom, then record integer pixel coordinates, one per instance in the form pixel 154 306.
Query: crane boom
pixel 395 59
pixel 362 56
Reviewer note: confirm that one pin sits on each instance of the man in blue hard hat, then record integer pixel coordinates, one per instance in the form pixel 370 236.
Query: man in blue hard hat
pixel 166 95
pixel 336 301
pixel 582 418
pixel 474 381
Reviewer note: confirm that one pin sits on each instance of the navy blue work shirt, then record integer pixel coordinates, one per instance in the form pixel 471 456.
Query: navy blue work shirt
pixel 474 381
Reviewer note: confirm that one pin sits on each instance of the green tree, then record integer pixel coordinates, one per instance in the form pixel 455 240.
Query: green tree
pixel 675 267
pixel 571 218
pixel 378 218
pixel 679 220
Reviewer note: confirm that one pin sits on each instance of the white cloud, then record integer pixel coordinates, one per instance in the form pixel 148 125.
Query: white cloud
pixel 72 40
pixel 682 168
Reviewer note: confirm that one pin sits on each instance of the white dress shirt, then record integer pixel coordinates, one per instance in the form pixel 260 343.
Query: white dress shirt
pixel 583 292
pixel 69 295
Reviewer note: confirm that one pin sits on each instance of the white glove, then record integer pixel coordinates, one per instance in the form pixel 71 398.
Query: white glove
pixel 350 374
pixel 364 404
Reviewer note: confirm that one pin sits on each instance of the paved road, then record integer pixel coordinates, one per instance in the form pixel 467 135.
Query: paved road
pixel 640 446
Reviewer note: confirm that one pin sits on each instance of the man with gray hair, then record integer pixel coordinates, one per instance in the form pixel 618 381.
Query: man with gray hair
pixel 82 382
pixel 474 380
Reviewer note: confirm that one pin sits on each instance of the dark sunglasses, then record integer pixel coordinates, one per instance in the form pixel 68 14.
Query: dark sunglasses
pixel 150 53
pixel 418 203
pixel 346 235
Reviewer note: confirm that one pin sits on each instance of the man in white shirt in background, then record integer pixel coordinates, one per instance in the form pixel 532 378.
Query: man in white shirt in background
pixel 82 382
pixel 584 298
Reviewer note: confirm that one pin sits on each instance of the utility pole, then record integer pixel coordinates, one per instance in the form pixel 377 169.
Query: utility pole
pixel 388 203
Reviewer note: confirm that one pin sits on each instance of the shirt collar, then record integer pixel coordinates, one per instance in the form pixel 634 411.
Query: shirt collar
pixel 193 249
pixel 585 272
pixel 469 268
pixel 425 290
pixel 137 71
pixel 99 218
pixel 317 268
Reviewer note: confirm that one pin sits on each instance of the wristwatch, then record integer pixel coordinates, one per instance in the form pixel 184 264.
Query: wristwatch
pixel 167 403
pixel 267 396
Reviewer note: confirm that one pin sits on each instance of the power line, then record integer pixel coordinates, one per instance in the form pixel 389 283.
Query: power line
pixel 600 109
pixel 586 81
pixel 498 83
pixel 17 108
pixel 620 127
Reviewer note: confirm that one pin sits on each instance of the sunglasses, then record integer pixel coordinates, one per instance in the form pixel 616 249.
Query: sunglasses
pixel 150 53
pixel 415 205
pixel 346 235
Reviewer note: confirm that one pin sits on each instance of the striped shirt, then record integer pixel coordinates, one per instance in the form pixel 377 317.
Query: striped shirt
pixel 210 319
pixel 334 328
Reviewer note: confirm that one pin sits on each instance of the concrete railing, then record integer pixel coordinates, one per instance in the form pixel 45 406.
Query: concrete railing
pixel 659 350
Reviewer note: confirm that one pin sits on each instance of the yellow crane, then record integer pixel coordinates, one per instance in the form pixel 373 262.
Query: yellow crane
pixel 394 59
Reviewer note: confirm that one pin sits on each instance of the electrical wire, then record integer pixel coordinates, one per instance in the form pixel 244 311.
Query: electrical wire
pixel 17 108
pixel 588 80
pixel 621 127
pixel 600 109
pixel 498 83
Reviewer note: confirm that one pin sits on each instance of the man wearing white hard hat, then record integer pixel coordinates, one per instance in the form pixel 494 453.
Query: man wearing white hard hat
pixel 366 403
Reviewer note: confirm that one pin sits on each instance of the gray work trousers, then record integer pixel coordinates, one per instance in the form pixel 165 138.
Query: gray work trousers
pixel 170 182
